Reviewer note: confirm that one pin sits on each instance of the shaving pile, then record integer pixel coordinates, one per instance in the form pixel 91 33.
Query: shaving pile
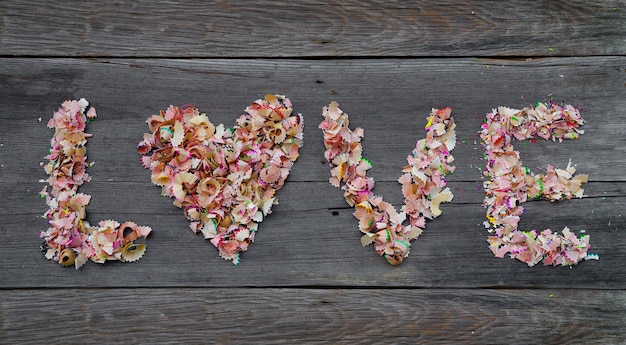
pixel 510 184
pixel 70 240
pixel 224 179
pixel 422 182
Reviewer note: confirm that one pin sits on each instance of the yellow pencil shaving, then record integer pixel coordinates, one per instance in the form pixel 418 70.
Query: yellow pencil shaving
pixel 366 205
pixel 430 121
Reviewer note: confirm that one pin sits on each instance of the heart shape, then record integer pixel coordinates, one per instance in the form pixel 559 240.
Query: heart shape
pixel 224 179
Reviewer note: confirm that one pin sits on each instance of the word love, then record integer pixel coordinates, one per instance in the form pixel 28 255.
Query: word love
pixel 510 184
pixel 224 179
pixel 70 240
pixel 422 183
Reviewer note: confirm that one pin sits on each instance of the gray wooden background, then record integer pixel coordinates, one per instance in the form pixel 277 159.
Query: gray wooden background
pixel 307 279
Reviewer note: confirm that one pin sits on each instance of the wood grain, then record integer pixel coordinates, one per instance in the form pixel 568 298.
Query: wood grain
pixel 346 28
pixel 338 316
pixel 391 96
pixel 307 279
pixel 308 242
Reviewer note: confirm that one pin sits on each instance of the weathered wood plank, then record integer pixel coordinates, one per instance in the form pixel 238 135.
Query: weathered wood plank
pixel 287 316
pixel 311 29
pixel 389 98
pixel 320 247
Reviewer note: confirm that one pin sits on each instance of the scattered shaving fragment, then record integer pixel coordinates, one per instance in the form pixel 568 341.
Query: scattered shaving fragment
pixel 70 240
pixel 224 179
pixel 422 182
pixel 445 196
pixel 510 184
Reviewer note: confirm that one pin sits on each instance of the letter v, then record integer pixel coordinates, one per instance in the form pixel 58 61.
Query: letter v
pixel 422 182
